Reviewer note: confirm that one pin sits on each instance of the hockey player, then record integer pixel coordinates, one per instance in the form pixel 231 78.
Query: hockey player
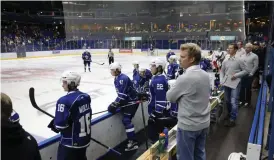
pixel 151 50
pixel 72 119
pixel 14 117
pixel 86 56
pixel 170 53
pixel 172 67
pixel 145 77
pixel 110 57
pixel 170 120
pixel 136 76
pixel 158 104
pixel 126 95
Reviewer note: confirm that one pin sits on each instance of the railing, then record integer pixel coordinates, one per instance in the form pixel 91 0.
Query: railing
pixel 255 141
pixel 68 44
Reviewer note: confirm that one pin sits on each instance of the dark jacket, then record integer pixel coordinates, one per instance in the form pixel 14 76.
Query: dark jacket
pixel 16 143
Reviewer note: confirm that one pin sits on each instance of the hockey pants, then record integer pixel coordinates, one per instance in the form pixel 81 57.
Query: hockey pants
pixel 128 114
pixel 110 60
pixel 87 63
pixel 66 153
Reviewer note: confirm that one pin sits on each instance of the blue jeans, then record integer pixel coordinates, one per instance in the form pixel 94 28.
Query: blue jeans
pixel 191 144
pixel 232 100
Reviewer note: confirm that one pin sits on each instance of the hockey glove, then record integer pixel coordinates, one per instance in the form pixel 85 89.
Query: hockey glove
pixel 52 127
pixel 113 107
pixel 143 96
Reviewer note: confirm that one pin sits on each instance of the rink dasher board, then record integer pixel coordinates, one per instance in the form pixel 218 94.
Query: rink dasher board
pixel 108 129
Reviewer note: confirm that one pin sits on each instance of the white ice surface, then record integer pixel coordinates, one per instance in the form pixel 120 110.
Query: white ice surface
pixel 17 76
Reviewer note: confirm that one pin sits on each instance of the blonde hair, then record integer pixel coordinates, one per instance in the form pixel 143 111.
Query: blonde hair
pixel 193 51
pixel 6 105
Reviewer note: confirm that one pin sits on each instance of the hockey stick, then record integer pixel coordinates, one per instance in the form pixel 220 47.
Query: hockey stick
pixel 98 63
pixel 136 102
pixel 144 122
pixel 34 104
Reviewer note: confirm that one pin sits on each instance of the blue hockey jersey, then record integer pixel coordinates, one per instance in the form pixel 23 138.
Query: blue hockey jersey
pixel 144 81
pixel 72 118
pixel 168 55
pixel 124 88
pixel 14 117
pixel 171 70
pixel 86 56
pixel 158 88
pixel 205 64
pixel 173 111
pixel 141 84
pixel 136 79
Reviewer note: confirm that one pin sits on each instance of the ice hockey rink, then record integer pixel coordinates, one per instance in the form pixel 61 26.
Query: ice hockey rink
pixel 17 76
pixel 44 75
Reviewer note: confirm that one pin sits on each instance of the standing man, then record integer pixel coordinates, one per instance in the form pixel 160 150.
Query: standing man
pixel 110 57
pixel 191 91
pixel 233 69
pixel 251 61
pixel 241 50
pixel 72 119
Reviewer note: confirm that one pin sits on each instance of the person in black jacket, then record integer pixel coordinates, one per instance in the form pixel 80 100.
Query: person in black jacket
pixel 16 143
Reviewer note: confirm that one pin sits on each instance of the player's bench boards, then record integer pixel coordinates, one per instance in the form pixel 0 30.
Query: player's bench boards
pixel 152 152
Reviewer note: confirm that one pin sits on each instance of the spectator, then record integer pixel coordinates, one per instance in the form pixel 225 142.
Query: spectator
pixel 241 50
pixel 259 52
pixel 191 90
pixel 232 70
pixel 251 62
pixel 16 143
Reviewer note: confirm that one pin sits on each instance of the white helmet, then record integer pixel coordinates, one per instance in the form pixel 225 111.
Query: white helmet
pixel 115 66
pixel 169 50
pixel 171 82
pixel 173 57
pixel 71 76
pixel 135 62
pixel 158 62
pixel 142 69
pixel 86 50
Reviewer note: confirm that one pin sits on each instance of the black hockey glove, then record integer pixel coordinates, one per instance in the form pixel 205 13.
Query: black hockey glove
pixel 52 127
pixel 113 107
pixel 143 96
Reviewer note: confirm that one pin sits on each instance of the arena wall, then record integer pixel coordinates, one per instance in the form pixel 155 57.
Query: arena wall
pixel 55 53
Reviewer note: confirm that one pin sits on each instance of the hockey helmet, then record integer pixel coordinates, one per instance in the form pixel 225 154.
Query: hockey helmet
pixel 158 62
pixel 173 57
pixel 115 66
pixel 71 77
pixel 135 62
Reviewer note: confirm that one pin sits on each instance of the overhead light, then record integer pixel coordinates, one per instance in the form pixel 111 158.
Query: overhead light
pixel 142 23
pixel 256 18
pixel 41 12
pixel 80 16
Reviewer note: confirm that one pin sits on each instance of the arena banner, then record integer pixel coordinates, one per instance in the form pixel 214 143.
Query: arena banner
pixel 125 50
pixel 55 52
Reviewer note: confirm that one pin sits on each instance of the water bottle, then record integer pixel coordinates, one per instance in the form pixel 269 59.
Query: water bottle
pixel 161 146
pixel 166 137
